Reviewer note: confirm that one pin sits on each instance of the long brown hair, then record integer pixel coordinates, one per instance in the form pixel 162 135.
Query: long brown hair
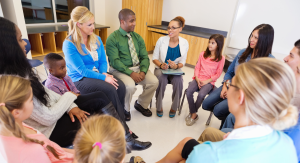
pixel 14 92
pixel 106 130
pixel 264 44
pixel 220 43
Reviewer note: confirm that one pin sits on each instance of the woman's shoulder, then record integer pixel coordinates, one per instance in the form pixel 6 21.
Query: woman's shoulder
pixel 241 52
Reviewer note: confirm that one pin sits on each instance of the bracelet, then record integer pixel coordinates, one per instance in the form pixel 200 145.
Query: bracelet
pixel 160 66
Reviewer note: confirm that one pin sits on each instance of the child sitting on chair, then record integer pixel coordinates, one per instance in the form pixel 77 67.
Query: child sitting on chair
pixel 57 79
pixel 208 69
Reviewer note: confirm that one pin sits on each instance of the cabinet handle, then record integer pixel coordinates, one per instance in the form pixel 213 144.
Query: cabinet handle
pixel 135 8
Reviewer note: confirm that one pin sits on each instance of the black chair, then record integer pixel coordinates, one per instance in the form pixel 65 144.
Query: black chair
pixel 33 62
pixel 211 112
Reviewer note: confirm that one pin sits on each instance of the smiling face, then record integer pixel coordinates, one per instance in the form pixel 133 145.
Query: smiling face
pixel 87 28
pixel 21 42
pixel 293 59
pixel 129 23
pixel 254 39
pixel 174 29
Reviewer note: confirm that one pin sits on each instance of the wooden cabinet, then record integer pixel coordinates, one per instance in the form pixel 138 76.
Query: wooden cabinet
pixel 196 44
pixel 148 12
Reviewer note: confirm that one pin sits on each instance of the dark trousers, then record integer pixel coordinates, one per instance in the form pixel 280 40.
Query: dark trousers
pixel 89 85
pixel 202 92
pixel 65 130
pixel 216 104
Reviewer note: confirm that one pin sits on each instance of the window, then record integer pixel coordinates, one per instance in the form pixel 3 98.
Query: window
pixel 42 11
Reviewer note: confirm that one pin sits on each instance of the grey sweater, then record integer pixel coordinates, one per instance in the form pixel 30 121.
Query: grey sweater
pixel 44 118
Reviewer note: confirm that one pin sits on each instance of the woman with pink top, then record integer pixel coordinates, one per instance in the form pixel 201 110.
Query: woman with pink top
pixel 21 143
pixel 208 69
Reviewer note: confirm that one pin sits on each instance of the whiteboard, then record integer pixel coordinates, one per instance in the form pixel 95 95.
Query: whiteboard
pixel 283 15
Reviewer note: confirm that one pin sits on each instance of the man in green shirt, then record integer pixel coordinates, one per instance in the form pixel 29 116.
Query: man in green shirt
pixel 129 62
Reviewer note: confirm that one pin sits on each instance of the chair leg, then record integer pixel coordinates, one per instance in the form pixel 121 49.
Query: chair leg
pixel 180 107
pixel 46 70
pixel 209 118
pixel 151 104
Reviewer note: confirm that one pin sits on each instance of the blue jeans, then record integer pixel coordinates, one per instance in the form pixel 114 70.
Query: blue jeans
pixel 216 104
pixel 228 124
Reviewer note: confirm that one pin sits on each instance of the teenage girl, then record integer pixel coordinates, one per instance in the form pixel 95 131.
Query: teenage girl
pixel 208 69
pixel 20 142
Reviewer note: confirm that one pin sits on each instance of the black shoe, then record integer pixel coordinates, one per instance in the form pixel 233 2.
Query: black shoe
pixel 145 112
pixel 134 136
pixel 135 144
pixel 127 115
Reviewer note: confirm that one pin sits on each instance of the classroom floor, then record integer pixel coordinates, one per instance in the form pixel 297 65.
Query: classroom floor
pixel 164 133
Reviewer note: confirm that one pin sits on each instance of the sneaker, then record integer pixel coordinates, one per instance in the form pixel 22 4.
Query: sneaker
pixel 188 117
pixel 192 121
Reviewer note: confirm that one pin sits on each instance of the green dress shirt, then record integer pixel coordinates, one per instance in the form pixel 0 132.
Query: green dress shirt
pixel 117 50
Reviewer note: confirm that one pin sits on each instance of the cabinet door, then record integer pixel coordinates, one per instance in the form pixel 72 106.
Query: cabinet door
pixel 127 4
pixel 191 40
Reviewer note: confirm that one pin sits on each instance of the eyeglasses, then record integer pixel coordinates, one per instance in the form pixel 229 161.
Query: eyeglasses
pixel 172 28
pixel 228 84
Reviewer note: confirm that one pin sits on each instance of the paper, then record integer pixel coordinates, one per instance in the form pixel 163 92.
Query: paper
pixel 173 72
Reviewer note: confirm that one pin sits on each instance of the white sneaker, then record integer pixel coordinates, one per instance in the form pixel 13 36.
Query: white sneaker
pixel 188 117
pixel 191 121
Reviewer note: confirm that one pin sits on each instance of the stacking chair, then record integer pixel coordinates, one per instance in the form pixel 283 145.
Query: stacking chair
pixel 211 112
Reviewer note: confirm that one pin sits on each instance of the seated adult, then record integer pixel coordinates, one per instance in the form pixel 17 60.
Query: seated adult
pixel 170 53
pixel 129 62
pixel 260 45
pixel 52 114
pixel 259 96
pixel 86 60
pixel 293 60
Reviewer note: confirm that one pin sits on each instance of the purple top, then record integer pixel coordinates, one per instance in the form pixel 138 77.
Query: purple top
pixel 58 85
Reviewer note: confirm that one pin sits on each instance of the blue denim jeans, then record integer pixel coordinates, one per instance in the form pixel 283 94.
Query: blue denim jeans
pixel 216 104
pixel 228 124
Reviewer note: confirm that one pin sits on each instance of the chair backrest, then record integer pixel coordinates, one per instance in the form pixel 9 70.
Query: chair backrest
pixel 28 46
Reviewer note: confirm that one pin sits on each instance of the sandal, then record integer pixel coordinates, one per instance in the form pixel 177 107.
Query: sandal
pixel 136 159
pixel 159 113
pixel 172 114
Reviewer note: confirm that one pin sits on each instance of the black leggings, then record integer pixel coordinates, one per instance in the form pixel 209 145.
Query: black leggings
pixel 65 130
pixel 117 97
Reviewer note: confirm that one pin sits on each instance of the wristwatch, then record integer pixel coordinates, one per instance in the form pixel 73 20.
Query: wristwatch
pixel 227 82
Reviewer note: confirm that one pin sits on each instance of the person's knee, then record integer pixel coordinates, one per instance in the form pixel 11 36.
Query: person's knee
pixel 220 110
pixel 206 105
pixel 130 88
pixel 184 141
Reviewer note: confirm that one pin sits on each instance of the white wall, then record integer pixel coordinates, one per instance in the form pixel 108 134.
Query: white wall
pixel 13 11
pixel 106 13
pixel 213 14
pixel 1 13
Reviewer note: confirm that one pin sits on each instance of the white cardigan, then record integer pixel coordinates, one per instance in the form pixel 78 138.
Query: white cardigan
pixel 161 49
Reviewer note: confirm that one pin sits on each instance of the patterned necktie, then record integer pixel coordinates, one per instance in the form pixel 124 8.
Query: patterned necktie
pixel 134 57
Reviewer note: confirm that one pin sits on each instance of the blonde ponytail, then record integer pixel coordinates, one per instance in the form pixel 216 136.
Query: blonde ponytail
pixel 269 86
pixel 103 129
pixel 80 14
pixel 286 119
pixel 14 92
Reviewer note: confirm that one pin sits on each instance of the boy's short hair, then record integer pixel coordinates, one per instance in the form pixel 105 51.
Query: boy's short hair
pixel 51 58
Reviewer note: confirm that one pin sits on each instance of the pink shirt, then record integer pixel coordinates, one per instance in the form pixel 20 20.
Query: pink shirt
pixel 17 151
pixel 206 68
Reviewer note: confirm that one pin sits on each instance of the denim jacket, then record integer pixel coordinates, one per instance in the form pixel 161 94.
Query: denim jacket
pixel 232 68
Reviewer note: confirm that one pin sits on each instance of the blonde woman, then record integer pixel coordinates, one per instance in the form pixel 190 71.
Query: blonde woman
pixel 87 66
pixel 101 139
pixel 20 142
pixel 259 96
